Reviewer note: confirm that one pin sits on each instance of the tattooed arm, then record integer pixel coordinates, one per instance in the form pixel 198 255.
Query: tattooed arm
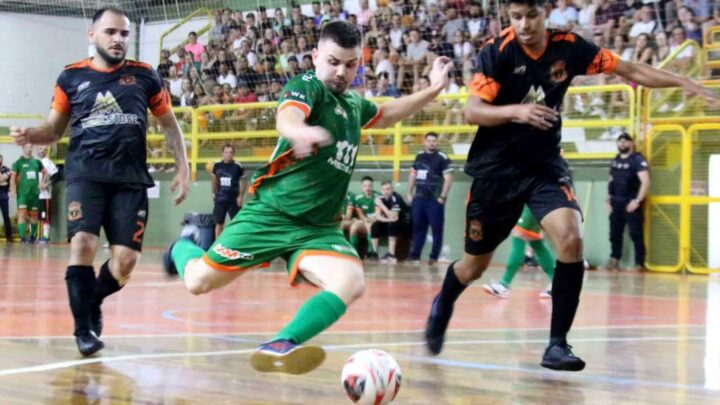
pixel 176 144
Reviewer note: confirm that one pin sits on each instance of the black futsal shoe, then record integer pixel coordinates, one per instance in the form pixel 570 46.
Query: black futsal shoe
pixel 88 343
pixel 168 264
pixel 437 324
pixel 189 232
pixel 558 356
pixel 96 321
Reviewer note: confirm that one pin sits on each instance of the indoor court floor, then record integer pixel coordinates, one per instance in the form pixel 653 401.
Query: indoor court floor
pixel 647 338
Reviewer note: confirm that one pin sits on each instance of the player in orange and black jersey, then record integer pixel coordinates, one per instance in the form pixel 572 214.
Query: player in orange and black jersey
pixel 105 100
pixel 515 98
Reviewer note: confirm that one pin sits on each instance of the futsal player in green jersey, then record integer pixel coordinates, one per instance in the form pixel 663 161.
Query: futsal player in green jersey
pixel 526 231
pixel 298 197
pixel 365 211
pixel 26 176
pixel 348 210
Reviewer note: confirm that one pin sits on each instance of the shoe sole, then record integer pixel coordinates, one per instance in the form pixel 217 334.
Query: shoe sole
pixel 564 367
pixel 299 361
pixel 492 292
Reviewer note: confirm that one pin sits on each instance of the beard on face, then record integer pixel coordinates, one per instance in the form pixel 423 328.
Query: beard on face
pixel 109 59
pixel 624 150
pixel 336 86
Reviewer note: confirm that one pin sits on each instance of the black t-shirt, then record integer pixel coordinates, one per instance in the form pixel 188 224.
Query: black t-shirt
pixel 396 203
pixel 429 169
pixel 5 189
pixel 228 176
pixel 108 120
pixel 507 74
pixel 624 182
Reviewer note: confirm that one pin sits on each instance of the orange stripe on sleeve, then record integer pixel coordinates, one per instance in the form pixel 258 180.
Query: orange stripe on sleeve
pixel 605 61
pixel 60 102
pixel 292 103
pixel 484 87
pixel 375 119
pixel 160 103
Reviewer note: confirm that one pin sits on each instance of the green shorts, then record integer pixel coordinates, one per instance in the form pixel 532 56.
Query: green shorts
pixel 259 234
pixel 28 201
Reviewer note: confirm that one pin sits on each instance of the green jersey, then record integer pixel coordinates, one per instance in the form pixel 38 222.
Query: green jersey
pixel 28 175
pixel 366 204
pixel 349 201
pixel 314 188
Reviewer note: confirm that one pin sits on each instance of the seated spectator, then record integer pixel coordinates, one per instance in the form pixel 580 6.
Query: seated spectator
pixel 476 22
pixel 563 17
pixel 414 59
pixel 275 89
pixel 384 65
pixel 249 55
pixel 245 73
pixel 296 17
pixel 688 21
pixel 163 68
pixel 606 18
pixel 663 46
pixel 194 47
pixel 280 20
pixel 293 68
pixel 264 22
pixel 285 54
pixel 209 65
pixel 189 64
pixel 622 48
pixel 686 57
pixel 302 48
pixel 643 52
pixel 307 63
pixel 586 18
pixel 702 9
pixel 317 13
pixel 226 76
pixel 385 88
pixel 262 91
pixel 218 30
pixel 365 14
pixel 396 32
pixel 455 22
pixel 646 25
pixel 392 218
pixel 187 98
pixel 371 89
pixel 244 94
pixel 175 82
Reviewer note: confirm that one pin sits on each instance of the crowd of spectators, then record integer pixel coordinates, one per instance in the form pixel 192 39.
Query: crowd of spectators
pixel 249 56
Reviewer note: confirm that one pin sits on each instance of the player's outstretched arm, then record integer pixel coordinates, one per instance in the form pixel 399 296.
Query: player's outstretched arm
pixel 176 144
pixel 403 107
pixel 290 123
pixel 478 112
pixel 650 77
pixel 46 133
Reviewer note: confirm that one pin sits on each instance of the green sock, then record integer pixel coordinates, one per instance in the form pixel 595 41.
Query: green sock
pixel 370 245
pixel 517 255
pixel 33 230
pixel 354 241
pixel 313 317
pixel 544 257
pixel 22 228
pixel 184 251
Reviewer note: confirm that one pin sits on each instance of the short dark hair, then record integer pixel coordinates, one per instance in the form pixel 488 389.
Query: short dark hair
pixel 229 145
pixel 386 182
pixel 98 14
pixel 431 134
pixel 342 33
pixel 367 178
pixel 529 3
pixel 192 33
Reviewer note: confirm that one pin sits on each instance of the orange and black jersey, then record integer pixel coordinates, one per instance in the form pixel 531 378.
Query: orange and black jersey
pixel 507 73
pixel 108 120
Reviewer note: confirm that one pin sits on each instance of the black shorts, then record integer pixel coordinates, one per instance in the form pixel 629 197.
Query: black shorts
pixel 494 207
pixel 120 209
pixel 222 209
pixel 390 229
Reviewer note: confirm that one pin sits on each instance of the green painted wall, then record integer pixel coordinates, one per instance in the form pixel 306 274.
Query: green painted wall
pixel 165 217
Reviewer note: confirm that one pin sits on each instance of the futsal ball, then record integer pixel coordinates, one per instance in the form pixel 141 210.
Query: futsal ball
pixel 371 377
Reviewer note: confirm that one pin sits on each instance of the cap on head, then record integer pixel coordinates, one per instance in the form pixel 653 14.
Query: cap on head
pixel 625 136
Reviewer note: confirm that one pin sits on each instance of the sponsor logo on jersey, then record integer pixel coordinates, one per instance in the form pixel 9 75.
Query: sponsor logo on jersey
pixel 231 254
pixel 295 94
pixel 536 95
pixel 127 80
pixel 520 70
pixel 558 72
pixel 74 211
pixel 142 214
pixel 107 111
pixel 83 86
pixel 341 112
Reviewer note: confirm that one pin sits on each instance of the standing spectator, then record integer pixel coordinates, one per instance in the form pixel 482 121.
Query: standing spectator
pixel 414 58
pixel 5 178
pixel 51 172
pixel 646 25
pixel 628 187
pixel 430 178
pixel 27 173
pixel 365 15
pixel 396 33
pixel 175 82
pixel 317 13
pixel 392 214
pixel 563 17
pixel 226 76
pixel 194 47
pixel 228 187
pixel 455 22
pixel 217 32
pixel 163 68
pixel 476 23
pixel 280 21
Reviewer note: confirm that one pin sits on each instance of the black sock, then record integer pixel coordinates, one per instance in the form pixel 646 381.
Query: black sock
pixel 566 287
pixel 105 285
pixel 80 282
pixel 451 290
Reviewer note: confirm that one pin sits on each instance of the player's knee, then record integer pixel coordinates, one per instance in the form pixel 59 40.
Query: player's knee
pixel 83 245
pixel 351 286
pixel 470 270
pixel 570 246
pixel 125 264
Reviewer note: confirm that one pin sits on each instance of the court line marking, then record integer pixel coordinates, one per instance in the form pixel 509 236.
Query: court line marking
pixel 422 359
pixel 352 332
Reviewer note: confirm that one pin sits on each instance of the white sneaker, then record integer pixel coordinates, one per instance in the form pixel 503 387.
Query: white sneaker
pixel 547 293
pixel 497 290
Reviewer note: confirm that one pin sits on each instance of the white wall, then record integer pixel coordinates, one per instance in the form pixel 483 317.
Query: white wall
pixel 35 49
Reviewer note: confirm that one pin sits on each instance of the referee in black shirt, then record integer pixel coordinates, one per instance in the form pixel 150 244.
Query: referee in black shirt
pixel 629 184
pixel 228 187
